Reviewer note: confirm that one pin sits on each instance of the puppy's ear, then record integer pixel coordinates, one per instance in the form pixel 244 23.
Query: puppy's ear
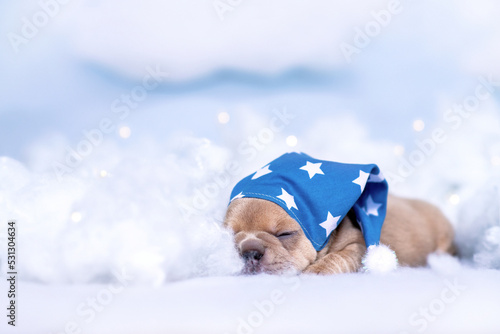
pixel 235 211
pixel 226 225
pixel 225 222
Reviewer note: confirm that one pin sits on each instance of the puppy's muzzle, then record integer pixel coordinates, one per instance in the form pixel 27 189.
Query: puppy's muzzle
pixel 252 251
pixel 252 255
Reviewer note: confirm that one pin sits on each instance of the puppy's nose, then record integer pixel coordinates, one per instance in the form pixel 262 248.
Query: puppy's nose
pixel 252 250
pixel 252 255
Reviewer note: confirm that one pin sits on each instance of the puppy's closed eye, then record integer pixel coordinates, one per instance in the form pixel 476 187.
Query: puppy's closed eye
pixel 283 235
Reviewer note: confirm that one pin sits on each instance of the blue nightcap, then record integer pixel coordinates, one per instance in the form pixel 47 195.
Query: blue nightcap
pixel 318 194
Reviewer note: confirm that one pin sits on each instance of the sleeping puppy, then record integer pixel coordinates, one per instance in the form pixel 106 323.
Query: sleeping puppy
pixel 271 241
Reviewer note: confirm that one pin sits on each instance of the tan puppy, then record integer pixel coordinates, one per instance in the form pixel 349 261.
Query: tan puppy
pixel 270 241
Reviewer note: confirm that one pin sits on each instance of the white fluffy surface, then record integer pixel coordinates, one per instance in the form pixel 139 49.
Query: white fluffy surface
pixel 446 298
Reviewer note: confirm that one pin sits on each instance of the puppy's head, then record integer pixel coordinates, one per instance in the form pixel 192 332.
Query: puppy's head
pixel 267 238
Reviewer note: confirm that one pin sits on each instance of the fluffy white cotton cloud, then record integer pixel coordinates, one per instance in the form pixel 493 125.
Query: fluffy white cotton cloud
pixel 156 206
pixel 190 39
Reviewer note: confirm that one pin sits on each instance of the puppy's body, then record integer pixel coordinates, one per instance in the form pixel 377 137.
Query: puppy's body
pixel 271 241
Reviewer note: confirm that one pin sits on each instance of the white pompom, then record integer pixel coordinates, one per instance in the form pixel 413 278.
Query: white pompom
pixel 379 259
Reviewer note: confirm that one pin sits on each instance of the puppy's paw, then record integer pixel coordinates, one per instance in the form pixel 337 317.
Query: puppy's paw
pixel 335 263
pixel 314 269
pixel 323 268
